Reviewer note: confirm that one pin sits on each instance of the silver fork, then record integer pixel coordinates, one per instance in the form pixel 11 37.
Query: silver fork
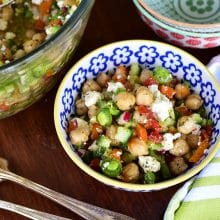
pixel 85 210
pixel 6 3
pixel 29 213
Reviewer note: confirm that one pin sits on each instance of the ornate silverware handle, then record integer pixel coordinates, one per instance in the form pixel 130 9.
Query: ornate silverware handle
pixel 83 209
pixel 2 5
pixel 29 213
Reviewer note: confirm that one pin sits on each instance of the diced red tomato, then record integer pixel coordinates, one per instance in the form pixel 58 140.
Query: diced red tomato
pixel 168 91
pixel 95 164
pixel 119 77
pixel 96 131
pixel 116 153
pixel 121 70
pixel 156 137
pixel 4 107
pixel 153 124
pixel 39 25
pixel 144 110
pixel 183 110
pixel 56 22
pixel 150 81
pixel 45 7
pixel 199 151
pixel 141 132
pixel 72 125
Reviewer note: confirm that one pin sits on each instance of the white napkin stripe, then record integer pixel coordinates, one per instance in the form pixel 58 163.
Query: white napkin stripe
pixel 212 169
pixel 203 192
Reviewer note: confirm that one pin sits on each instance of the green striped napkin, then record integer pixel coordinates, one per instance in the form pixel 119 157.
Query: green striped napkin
pixel 199 198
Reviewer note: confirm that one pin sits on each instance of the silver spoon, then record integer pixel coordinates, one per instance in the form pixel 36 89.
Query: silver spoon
pixel 85 210
pixel 6 3
pixel 29 213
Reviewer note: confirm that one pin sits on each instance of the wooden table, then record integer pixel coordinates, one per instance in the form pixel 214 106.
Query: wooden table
pixel 29 141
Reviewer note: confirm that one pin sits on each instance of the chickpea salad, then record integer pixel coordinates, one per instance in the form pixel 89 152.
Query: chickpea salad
pixel 25 24
pixel 138 125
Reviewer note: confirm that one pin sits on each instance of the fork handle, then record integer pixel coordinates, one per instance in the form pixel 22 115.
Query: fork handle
pixel 27 212
pixel 85 210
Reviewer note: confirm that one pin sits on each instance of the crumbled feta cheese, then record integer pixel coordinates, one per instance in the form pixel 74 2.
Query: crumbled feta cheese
pixel 91 98
pixel 189 126
pixel 113 86
pixel 149 163
pixel 168 139
pixel 161 106
pixel 197 129
pixel 37 2
pixel 60 4
pixel 93 146
pixel 153 89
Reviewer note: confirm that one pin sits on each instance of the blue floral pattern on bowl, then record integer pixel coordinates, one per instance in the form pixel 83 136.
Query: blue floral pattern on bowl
pixel 146 53
pixel 98 64
pixel 121 56
pixel 207 93
pixel 192 74
pixel 78 78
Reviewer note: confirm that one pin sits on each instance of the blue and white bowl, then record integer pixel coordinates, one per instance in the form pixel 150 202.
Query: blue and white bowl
pixel 148 54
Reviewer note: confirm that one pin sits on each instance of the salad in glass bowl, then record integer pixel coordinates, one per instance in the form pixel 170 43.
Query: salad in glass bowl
pixel 37 40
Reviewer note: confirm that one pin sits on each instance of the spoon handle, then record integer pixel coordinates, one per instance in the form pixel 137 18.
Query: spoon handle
pixel 27 212
pixel 85 210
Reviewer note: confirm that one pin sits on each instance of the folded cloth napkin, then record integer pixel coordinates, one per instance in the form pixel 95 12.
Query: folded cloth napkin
pixel 198 198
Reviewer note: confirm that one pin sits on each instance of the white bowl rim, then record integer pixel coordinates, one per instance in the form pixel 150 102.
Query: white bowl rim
pixel 174 22
pixel 116 183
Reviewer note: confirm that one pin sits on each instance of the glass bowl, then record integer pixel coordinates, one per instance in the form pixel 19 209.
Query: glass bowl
pixel 27 79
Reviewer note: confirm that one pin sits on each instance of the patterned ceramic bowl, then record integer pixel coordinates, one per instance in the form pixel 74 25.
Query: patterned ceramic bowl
pixel 148 54
pixel 199 15
pixel 177 36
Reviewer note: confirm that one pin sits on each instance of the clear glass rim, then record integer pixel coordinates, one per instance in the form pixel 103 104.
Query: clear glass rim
pixel 70 22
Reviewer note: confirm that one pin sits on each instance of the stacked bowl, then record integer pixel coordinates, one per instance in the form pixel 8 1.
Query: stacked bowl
pixel 185 23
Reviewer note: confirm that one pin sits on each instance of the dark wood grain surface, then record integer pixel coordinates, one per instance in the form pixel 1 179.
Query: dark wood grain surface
pixel 29 141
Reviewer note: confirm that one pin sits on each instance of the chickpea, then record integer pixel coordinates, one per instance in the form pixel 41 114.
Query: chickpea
pixel 125 101
pixel 130 173
pixel 185 125
pixel 91 85
pixel 79 136
pixel 7 54
pixel 3 24
pixel 102 79
pixel 137 147
pixel 81 108
pixel 7 13
pixel 139 118
pixel 10 35
pixel 29 33
pixel 192 140
pixel 180 148
pixel 39 37
pixel 193 102
pixel 178 165
pixel 111 132
pixel 30 45
pixel 182 91
pixel 145 74
pixel 19 53
pixel 93 110
pixel 144 96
